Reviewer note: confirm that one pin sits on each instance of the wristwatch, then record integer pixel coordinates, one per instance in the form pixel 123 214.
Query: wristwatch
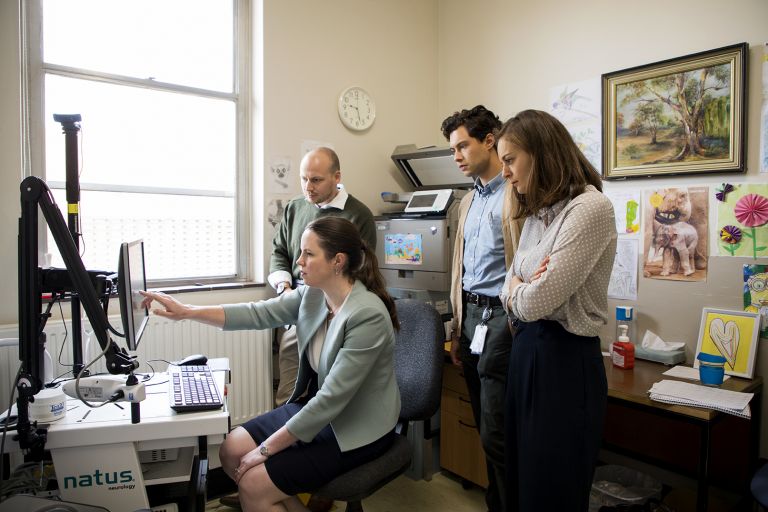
pixel 281 287
pixel 264 450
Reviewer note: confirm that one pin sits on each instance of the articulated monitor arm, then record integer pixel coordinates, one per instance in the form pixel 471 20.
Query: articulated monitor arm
pixel 34 193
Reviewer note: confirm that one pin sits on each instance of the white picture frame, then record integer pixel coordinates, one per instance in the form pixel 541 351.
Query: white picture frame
pixel 731 334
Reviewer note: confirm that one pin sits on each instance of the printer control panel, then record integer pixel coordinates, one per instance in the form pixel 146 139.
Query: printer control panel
pixel 429 201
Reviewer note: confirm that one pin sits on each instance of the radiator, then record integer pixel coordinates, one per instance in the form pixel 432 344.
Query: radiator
pixel 249 353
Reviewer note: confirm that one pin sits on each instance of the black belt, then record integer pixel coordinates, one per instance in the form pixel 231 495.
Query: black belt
pixel 480 300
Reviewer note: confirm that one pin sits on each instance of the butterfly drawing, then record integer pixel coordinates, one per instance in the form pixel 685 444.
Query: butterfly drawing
pixel 723 191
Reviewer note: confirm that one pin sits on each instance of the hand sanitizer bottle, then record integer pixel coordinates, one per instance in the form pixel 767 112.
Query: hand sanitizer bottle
pixel 625 315
pixel 623 354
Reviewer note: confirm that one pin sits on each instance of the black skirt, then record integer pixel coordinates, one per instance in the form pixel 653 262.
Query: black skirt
pixel 555 408
pixel 305 467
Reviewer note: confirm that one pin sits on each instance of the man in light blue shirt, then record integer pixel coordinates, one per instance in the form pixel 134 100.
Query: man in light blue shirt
pixel 484 267
pixel 485 243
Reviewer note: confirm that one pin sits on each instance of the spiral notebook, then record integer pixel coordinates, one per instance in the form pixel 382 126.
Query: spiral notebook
pixel 694 395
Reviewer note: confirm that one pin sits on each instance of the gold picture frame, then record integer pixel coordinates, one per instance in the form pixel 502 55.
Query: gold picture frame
pixel 733 335
pixel 685 115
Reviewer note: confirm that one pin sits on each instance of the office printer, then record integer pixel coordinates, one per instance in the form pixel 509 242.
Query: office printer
pixel 414 245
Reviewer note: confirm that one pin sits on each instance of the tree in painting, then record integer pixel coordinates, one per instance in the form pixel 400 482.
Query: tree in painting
pixel 684 116
pixel 649 116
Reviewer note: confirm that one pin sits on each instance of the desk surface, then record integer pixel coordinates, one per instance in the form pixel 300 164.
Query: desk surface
pixel 111 423
pixel 633 385
pixel 97 451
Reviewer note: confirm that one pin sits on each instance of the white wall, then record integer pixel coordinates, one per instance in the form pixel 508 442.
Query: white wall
pixel 518 50
pixel 10 158
pixel 314 50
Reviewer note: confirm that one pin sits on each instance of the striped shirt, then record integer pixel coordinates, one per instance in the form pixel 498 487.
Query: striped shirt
pixel 579 236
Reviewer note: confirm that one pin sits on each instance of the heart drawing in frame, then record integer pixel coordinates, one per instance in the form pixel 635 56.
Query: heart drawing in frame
pixel 725 336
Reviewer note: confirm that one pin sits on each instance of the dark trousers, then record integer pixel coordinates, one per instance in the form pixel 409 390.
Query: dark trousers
pixel 486 378
pixel 556 399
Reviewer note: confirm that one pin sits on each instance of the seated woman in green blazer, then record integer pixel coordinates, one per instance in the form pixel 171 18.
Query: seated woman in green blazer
pixel 346 402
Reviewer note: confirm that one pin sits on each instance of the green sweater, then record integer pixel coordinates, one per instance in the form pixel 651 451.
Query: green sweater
pixel 286 245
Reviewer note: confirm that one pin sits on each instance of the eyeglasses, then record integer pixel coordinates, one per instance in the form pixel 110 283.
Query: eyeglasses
pixel 757 284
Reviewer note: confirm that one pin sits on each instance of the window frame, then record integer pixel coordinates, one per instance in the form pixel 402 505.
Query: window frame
pixel 33 73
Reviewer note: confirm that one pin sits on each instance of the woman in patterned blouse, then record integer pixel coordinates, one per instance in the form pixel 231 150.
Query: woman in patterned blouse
pixel 556 295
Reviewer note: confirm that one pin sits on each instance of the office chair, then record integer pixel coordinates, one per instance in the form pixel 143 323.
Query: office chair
pixel 759 486
pixel 419 371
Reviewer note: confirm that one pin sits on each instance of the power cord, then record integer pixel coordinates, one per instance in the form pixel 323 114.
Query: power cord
pixel 64 341
pixel 82 372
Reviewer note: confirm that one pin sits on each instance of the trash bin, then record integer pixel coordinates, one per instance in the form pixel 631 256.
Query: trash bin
pixel 618 485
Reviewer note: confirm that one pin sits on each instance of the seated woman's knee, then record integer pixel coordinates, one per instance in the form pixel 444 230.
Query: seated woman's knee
pixel 257 489
pixel 237 444
pixel 228 459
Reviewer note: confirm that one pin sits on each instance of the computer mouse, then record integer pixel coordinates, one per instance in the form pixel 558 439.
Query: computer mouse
pixel 195 359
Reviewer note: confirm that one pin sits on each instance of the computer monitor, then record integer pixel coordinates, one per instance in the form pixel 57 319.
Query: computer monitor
pixel 131 279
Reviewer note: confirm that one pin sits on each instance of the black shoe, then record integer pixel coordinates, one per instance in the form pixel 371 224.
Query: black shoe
pixel 318 504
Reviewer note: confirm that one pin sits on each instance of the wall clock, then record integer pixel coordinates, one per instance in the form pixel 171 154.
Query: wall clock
pixel 357 110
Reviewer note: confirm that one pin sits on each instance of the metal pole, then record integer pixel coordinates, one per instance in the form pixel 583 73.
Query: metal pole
pixel 70 125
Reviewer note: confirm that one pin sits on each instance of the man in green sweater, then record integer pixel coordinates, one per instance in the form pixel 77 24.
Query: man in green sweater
pixel 320 174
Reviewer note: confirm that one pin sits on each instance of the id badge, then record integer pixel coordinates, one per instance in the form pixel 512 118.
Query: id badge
pixel 478 340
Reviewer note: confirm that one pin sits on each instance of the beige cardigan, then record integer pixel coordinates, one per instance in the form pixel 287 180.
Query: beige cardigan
pixel 510 231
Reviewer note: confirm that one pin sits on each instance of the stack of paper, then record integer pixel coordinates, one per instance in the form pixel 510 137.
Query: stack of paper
pixel 686 372
pixel 684 393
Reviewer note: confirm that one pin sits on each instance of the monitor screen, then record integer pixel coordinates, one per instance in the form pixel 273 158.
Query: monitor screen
pixel 131 279
pixel 424 200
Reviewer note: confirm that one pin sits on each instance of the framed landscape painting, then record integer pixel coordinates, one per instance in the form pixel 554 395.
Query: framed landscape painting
pixel 685 115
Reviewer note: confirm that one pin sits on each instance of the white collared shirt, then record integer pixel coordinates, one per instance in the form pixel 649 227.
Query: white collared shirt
pixel 337 202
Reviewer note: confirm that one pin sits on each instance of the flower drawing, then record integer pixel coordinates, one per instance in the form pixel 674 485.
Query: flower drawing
pixel 752 211
pixel 731 235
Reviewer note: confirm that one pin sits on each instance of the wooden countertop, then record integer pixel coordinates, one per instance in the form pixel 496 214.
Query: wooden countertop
pixel 633 385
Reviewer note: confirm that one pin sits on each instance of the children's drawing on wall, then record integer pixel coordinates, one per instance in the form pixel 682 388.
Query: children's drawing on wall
pixel 731 334
pixel 403 249
pixel 280 175
pixel 764 115
pixel 742 220
pixel 756 294
pixel 577 106
pixel 623 283
pixel 275 212
pixel 588 140
pixel 626 208
pixel 675 231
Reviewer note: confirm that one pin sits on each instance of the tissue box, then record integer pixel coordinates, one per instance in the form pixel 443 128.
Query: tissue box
pixel 668 357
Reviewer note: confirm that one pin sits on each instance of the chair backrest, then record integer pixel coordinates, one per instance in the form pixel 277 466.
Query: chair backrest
pixel 419 353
